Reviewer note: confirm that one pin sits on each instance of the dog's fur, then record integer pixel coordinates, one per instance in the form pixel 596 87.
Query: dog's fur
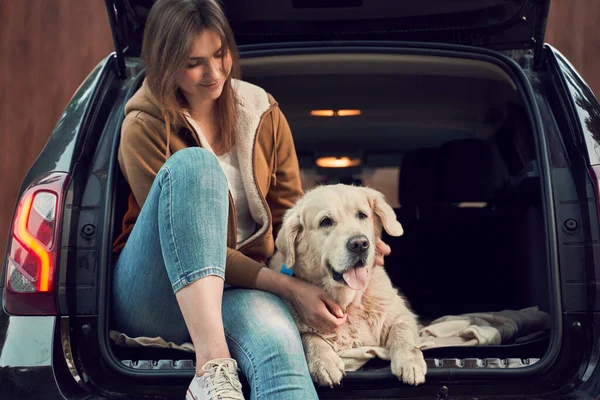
pixel 317 250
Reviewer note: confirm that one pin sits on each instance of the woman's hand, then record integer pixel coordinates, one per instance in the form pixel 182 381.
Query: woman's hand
pixel 316 308
pixel 381 250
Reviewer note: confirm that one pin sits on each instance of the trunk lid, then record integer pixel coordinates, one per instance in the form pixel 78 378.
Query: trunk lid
pixel 494 24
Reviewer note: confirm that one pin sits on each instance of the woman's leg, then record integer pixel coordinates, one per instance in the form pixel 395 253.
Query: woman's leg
pixel 168 280
pixel 263 338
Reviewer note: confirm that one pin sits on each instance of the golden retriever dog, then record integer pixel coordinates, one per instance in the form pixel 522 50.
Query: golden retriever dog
pixel 328 238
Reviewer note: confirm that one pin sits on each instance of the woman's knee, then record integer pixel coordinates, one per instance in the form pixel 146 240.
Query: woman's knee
pixel 191 157
pixel 197 164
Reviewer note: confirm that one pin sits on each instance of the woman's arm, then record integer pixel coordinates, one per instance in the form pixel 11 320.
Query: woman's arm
pixel 141 155
pixel 315 307
pixel 286 186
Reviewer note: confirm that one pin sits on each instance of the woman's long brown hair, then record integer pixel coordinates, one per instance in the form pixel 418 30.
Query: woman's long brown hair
pixel 171 28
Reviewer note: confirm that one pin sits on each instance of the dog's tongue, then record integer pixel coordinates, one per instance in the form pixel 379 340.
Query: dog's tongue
pixel 356 278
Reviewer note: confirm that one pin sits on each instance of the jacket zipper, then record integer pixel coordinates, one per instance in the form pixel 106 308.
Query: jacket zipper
pixel 233 243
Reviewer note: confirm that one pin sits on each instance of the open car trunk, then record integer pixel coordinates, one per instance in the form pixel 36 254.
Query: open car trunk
pixel 450 143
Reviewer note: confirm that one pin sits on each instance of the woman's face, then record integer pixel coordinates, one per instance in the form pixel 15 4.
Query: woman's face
pixel 203 76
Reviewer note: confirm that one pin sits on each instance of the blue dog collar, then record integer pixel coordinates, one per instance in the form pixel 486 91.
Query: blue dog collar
pixel 286 270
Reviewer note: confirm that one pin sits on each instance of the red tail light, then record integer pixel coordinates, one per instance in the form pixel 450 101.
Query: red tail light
pixel 34 248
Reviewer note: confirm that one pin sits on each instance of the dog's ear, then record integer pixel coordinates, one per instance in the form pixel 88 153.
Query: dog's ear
pixel 286 238
pixel 384 211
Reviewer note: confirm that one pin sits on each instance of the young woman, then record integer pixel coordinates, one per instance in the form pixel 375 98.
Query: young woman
pixel 212 168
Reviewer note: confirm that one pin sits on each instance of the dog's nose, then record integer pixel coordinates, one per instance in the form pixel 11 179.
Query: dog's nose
pixel 358 244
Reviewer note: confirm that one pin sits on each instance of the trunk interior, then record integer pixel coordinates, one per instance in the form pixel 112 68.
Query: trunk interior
pixel 449 143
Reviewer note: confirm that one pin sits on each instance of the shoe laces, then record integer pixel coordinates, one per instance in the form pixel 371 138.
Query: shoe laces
pixel 224 378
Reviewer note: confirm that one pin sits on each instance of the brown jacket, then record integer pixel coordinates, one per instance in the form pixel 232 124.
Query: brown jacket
pixel 267 159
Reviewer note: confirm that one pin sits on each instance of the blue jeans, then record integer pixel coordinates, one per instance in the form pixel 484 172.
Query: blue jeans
pixel 179 237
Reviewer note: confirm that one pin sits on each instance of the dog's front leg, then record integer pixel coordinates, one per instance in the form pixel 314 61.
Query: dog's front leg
pixel 325 366
pixel 407 359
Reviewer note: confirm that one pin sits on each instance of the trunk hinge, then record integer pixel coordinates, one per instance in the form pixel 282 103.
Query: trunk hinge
pixel 116 15
pixel 539 33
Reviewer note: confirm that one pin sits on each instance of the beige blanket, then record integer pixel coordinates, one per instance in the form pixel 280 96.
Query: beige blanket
pixel 477 329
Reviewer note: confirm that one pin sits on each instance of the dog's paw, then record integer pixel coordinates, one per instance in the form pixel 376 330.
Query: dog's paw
pixel 409 366
pixel 328 370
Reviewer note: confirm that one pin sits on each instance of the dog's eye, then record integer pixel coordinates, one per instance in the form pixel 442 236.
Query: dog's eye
pixel 325 222
pixel 362 215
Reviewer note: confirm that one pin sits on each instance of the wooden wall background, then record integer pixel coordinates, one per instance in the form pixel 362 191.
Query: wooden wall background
pixel 47 47
pixel 573 30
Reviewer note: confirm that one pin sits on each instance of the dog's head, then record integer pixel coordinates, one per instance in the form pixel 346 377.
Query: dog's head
pixel 328 238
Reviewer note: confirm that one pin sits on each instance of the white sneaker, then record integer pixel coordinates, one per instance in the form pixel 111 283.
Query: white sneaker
pixel 219 382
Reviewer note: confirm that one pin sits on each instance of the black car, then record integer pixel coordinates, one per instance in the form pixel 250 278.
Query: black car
pixel 484 139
